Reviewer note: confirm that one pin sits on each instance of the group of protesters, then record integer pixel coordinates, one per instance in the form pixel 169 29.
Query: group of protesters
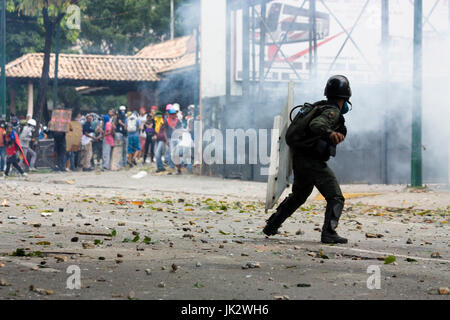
pixel 119 139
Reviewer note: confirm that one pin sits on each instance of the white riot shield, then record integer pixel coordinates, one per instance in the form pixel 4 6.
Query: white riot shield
pixel 280 168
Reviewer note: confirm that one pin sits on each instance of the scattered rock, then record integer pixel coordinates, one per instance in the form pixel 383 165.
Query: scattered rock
pixel 87 245
pixel 444 291
pixel 371 235
pixel 41 291
pixel 303 285
pixel 174 267
pixel 299 232
pixel 119 260
pixel 285 297
pixel 161 285
pixel 60 258
pixel 3 283
pixel 436 255
pixel 74 239
pixel 251 265
pixel 148 272
pixel 131 295
pixel 198 264
pixel 409 241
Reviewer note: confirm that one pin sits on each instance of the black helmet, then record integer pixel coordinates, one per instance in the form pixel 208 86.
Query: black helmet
pixel 338 86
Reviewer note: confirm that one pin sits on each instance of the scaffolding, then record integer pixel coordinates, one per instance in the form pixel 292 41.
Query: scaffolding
pixel 254 75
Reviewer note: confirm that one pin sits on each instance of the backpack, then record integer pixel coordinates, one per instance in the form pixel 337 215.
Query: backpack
pixel 296 132
pixel 132 124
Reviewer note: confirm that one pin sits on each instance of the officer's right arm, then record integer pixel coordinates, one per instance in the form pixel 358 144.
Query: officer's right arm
pixel 323 125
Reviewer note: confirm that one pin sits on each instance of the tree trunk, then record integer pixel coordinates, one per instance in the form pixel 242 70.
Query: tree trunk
pixel 43 82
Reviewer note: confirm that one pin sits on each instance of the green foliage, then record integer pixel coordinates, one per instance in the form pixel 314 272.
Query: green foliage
pixel 124 27
pixel 389 260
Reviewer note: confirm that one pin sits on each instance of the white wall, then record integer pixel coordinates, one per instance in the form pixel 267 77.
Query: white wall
pixel 213 48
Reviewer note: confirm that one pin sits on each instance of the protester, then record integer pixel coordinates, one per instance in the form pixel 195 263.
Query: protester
pixel 161 140
pixel 86 144
pixel 153 141
pixel 142 135
pixel 121 134
pixel 108 142
pixel 2 146
pixel 26 137
pixel 60 149
pixel 12 144
pixel 149 129
pixel 134 146
pixel 97 144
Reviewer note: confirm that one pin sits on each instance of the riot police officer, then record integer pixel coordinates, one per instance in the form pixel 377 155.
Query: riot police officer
pixel 326 130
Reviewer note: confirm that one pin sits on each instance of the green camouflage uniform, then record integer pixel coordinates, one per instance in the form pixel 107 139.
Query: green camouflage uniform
pixel 311 169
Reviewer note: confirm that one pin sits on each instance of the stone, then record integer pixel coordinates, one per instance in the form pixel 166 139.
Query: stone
pixel 60 258
pixel 444 291
pixel 87 245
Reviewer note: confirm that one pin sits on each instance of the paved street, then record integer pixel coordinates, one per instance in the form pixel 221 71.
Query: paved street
pixel 191 237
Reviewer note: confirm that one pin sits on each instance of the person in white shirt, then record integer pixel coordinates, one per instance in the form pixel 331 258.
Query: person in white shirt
pixel 26 136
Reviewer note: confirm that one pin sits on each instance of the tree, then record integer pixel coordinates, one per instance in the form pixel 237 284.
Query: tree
pixel 124 27
pixel 52 13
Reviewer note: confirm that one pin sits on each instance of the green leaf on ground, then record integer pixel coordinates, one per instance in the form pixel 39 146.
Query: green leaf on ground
pixel 147 240
pixel 389 260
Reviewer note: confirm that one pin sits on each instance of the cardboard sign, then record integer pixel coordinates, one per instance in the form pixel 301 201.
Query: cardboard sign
pixel 60 120
pixel 73 138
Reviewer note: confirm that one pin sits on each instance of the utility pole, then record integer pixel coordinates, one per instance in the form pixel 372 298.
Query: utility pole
pixel 3 80
pixel 55 80
pixel 385 84
pixel 172 20
pixel 312 39
pixel 416 147
pixel 245 49
pixel 262 49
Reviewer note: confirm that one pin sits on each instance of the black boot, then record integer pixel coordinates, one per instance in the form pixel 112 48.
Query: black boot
pixel 332 215
pixel 276 220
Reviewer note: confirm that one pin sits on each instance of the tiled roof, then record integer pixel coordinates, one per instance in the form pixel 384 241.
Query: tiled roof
pixel 90 67
pixel 182 50
pixel 168 49
pixel 146 66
